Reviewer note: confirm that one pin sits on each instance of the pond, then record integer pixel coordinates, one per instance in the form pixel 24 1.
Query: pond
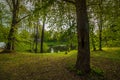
pixel 58 48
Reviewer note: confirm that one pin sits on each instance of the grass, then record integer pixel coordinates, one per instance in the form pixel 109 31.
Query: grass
pixel 53 66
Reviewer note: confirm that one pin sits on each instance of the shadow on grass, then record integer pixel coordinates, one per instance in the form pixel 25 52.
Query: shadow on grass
pixel 4 51
pixel 95 73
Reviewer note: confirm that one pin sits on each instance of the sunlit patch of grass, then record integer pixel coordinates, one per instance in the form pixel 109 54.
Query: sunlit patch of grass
pixel 109 61
pixel 111 53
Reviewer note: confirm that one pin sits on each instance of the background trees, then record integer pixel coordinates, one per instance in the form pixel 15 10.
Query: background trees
pixel 40 25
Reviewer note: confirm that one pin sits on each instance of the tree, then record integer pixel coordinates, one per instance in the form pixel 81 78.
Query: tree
pixel 36 37
pixel 42 35
pixel 43 29
pixel 100 24
pixel 83 57
pixel 92 37
pixel 11 36
pixel 15 7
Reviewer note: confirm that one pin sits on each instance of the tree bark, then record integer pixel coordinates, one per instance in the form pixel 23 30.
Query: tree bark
pixel 36 39
pixel 83 57
pixel 11 36
pixel 42 36
pixel 100 36
pixel 93 44
pixel 100 26
pixel 92 39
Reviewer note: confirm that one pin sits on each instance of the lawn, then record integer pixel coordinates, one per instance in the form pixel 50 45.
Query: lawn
pixel 54 66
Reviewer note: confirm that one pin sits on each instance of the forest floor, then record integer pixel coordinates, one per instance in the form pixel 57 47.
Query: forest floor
pixel 54 66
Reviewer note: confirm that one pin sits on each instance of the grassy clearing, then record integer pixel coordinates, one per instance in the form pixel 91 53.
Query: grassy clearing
pixel 109 61
pixel 52 66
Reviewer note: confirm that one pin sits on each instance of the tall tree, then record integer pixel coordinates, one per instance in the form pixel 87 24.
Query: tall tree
pixel 43 28
pixel 16 6
pixel 83 57
pixel 36 37
pixel 100 24
pixel 42 35
pixel 11 37
pixel 92 37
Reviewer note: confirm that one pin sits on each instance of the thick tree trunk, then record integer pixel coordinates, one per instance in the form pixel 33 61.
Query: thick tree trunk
pixel 11 37
pixel 83 57
pixel 11 40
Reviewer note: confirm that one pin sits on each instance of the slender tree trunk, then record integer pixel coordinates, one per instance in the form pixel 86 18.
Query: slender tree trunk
pixel 36 39
pixel 42 36
pixel 93 44
pixel 100 26
pixel 92 39
pixel 100 36
pixel 30 25
pixel 100 33
pixel 11 37
pixel 83 57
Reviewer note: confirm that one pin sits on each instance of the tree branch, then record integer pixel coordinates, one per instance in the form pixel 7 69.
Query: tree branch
pixel 23 18
pixel 37 9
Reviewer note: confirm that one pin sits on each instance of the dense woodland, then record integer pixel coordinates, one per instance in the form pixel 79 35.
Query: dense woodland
pixel 55 26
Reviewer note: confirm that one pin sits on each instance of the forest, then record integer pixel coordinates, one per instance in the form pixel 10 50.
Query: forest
pixel 59 39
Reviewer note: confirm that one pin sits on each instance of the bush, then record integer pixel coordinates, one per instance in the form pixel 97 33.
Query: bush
pixel 45 47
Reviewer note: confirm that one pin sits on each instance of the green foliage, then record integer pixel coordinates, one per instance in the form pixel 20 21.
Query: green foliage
pixel 23 46
pixel 3 33
pixel 23 41
pixel 61 22
pixel 45 47
pixel 94 70
pixel 23 35
pixel 80 72
pixel 97 71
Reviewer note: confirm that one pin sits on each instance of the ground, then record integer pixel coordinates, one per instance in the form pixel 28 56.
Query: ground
pixel 54 66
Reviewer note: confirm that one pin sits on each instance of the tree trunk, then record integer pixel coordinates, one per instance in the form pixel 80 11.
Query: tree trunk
pixel 83 57
pixel 100 26
pixel 33 47
pixel 92 39
pixel 11 37
pixel 93 44
pixel 36 39
pixel 100 36
pixel 42 36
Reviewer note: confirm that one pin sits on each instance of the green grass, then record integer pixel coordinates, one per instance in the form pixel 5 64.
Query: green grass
pixel 53 66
